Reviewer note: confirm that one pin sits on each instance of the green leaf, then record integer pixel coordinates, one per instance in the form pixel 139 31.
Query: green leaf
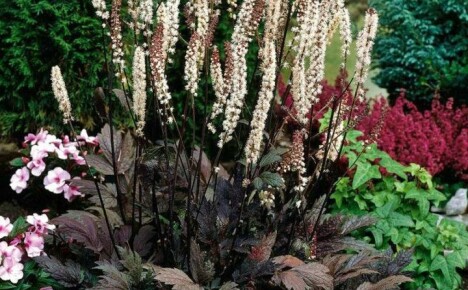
pixel 325 121
pixel 378 237
pixel 371 153
pixel 384 211
pixel 393 166
pixel 257 183
pixel 352 157
pixel 365 172
pixel 19 226
pixel 400 220
pixel 420 196
pixel 361 202
pixel 394 236
pixel 456 260
pixel 17 162
pixel 269 158
pixel 352 135
pixel 272 178
pixel 440 263
pixel 434 251
pixel 379 199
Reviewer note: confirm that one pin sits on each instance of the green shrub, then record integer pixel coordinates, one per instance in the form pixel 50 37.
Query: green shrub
pixel 421 47
pixel 34 36
pixel 400 197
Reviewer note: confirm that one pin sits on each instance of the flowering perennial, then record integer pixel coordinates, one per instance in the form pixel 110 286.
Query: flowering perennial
pixel 436 139
pixel 265 96
pixel 139 89
pixel 61 94
pixel 247 22
pixel 116 37
pixel 364 45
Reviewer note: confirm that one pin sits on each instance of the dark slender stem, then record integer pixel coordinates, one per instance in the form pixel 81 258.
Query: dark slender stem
pixel 98 190
pixel 111 126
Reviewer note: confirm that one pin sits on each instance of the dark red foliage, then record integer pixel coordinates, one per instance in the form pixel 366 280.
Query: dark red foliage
pixel 338 91
pixel 437 139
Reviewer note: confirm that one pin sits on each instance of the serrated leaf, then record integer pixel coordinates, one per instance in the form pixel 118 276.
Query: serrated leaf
pixel 68 274
pixel 106 144
pixel 287 261
pixel 365 172
pixel 176 278
pixel 391 282
pixel 305 276
pixel 272 178
pixel 100 164
pixel 229 286
pixel 112 278
pixel 269 159
pixel 261 252
pixel 257 183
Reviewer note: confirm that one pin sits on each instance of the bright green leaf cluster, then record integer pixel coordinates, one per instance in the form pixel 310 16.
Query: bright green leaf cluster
pixel 401 197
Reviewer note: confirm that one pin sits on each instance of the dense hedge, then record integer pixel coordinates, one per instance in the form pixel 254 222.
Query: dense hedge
pixel 34 36
pixel 421 46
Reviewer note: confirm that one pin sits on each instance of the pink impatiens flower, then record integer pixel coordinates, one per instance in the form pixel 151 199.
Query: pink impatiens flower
pixel 5 227
pixel 19 181
pixel 55 180
pixel 40 223
pixel 11 268
pixel 34 244
pixel 64 150
pixel 88 139
pixel 37 166
pixel 71 192
pixel 34 139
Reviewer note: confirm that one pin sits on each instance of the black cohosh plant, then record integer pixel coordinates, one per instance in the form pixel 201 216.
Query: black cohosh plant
pixel 162 214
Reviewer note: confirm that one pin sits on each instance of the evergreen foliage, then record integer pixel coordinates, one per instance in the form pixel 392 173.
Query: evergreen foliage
pixel 34 36
pixel 421 47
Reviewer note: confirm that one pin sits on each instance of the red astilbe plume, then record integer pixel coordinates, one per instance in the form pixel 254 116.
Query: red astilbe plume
pixel 436 139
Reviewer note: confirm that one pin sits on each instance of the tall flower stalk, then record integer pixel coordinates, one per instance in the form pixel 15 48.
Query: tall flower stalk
pixel 61 94
pixel 169 165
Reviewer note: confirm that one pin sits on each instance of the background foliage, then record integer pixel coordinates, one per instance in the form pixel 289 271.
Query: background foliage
pixel 34 36
pixel 421 47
